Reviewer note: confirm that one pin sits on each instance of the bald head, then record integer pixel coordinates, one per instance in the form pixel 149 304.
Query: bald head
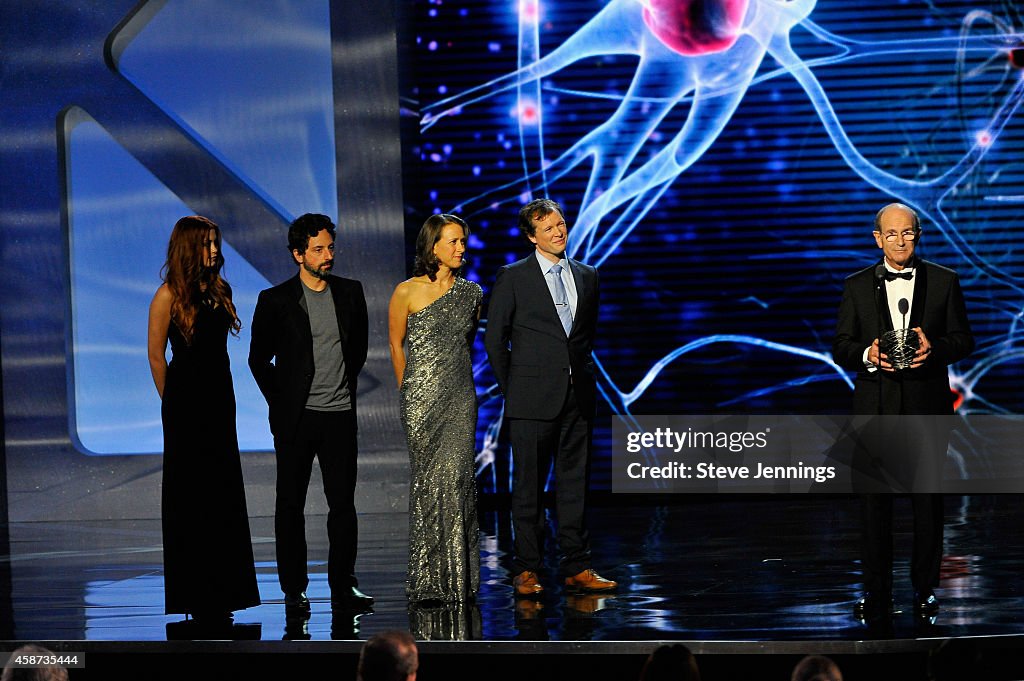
pixel 897 233
pixel 900 207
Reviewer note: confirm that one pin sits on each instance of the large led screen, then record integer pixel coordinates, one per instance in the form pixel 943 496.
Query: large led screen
pixel 721 164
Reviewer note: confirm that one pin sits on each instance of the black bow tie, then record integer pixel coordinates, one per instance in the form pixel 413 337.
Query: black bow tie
pixel 893 276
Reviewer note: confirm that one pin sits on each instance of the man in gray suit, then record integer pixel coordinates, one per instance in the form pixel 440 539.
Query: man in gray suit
pixel 539 338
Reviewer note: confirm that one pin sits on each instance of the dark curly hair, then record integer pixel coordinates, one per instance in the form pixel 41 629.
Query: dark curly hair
pixel 305 227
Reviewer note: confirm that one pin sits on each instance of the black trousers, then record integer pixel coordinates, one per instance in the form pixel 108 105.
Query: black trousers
pixel 908 452
pixel 566 439
pixel 329 436
pixel 876 551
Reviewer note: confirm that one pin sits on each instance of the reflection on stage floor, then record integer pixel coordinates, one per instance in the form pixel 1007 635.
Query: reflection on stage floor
pixel 695 569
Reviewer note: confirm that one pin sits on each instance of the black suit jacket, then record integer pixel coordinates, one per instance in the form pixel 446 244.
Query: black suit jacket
pixel 940 312
pixel 529 352
pixel 281 332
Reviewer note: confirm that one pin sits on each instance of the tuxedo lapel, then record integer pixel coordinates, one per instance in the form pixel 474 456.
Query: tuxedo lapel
pixel 920 295
pixel 883 305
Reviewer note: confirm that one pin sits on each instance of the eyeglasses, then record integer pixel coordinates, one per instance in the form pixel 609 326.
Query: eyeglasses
pixel 908 235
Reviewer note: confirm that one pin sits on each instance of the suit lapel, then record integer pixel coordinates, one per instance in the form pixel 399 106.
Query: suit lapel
pixel 298 296
pixel 340 309
pixel 582 292
pixel 539 283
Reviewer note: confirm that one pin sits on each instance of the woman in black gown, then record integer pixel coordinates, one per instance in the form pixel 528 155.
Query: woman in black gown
pixel 208 562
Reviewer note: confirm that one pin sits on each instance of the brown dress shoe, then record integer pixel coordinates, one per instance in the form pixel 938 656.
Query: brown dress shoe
pixel 528 609
pixel 588 603
pixel 588 580
pixel 526 584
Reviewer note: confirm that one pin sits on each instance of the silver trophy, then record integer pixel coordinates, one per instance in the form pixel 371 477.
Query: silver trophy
pixel 899 346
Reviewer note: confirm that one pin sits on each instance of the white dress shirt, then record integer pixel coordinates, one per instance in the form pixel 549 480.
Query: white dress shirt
pixel 896 290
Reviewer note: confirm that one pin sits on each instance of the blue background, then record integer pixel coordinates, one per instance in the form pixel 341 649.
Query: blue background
pixel 722 267
pixel 720 274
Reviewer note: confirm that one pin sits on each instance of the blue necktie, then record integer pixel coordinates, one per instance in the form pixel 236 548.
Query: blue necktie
pixel 561 299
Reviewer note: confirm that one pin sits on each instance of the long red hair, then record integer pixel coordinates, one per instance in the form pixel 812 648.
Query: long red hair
pixel 190 279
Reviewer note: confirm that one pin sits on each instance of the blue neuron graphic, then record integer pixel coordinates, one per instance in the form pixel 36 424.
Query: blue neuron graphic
pixel 941 147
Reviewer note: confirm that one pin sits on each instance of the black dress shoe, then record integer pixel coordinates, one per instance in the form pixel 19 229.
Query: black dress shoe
pixel 296 602
pixel 925 602
pixel 873 605
pixel 351 597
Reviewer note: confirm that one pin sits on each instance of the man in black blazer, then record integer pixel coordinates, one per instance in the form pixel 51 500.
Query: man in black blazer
pixel 309 338
pixel 935 311
pixel 539 338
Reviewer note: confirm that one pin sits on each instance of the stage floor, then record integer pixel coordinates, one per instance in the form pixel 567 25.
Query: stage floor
pixel 716 572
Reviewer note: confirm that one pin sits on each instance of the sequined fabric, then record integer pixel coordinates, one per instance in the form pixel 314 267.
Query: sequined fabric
pixel 438 405
pixel 446 622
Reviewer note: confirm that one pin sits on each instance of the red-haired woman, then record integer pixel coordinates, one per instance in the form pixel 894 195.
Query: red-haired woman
pixel 208 563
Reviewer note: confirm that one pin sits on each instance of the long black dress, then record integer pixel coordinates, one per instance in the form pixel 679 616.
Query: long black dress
pixel 208 563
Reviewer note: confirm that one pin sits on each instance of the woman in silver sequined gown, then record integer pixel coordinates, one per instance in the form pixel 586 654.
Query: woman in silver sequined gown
pixel 433 316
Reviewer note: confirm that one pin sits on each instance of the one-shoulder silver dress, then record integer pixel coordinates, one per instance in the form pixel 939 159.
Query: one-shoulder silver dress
pixel 438 406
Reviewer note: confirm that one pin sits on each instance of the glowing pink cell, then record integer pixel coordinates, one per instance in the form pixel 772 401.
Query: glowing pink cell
pixel 528 10
pixel 695 27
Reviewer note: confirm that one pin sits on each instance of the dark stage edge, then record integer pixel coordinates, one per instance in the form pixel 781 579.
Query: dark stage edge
pixel 994 658
pixel 1009 643
pixel 747 583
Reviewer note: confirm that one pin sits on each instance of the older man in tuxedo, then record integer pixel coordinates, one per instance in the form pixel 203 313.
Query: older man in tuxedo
pixel 875 300
pixel 540 334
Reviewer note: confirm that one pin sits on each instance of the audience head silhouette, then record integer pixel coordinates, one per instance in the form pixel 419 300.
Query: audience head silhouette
pixel 44 673
pixel 816 668
pixel 388 656
pixel 671 663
